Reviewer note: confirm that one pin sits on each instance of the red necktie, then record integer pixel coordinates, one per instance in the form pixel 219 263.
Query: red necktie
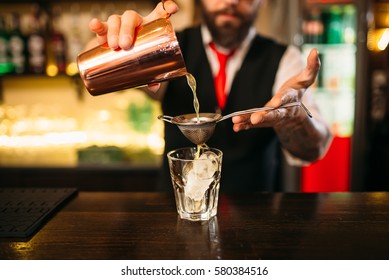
pixel 220 79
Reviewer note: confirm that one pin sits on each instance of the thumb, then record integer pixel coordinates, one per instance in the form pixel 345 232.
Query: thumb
pixel 307 77
pixel 100 29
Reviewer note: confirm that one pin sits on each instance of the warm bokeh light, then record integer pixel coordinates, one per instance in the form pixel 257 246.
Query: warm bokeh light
pixel 384 40
pixel 72 69
pixel 378 39
pixel 51 70
pixel 40 135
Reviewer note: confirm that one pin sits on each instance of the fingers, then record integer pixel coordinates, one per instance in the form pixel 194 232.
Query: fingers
pixel 248 121
pixel 130 20
pixel 276 101
pixel 313 61
pixel 118 31
pixel 307 77
pixel 154 87
pixel 100 28
pixel 121 29
pixel 113 22
pixel 269 118
pixel 162 11
pixel 241 124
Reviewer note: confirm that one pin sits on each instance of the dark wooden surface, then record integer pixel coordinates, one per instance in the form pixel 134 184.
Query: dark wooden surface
pixel 87 178
pixel 128 225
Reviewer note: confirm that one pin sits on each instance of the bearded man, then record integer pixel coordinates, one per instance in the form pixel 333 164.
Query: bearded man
pixel 256 72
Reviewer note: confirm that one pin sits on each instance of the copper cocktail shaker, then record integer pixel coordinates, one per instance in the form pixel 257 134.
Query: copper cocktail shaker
pixel 155 57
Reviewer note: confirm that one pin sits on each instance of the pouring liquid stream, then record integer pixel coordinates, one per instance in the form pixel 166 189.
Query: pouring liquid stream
pixel 192 84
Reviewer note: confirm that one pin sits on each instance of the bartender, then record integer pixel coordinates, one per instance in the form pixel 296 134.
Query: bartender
pixel 235 69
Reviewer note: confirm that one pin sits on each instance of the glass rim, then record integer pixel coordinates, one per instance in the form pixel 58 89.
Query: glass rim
pixel 219 153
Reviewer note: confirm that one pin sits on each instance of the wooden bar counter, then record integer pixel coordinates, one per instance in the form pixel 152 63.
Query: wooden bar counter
pixel 128 225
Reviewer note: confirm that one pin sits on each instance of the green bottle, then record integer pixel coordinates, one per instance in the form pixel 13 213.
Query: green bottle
pixel 6 65
pixel 335 26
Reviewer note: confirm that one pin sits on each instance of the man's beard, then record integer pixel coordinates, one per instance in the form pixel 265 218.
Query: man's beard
pixel 229 35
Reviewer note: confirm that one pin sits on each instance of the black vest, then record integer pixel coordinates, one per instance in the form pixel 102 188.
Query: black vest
pixel 251 159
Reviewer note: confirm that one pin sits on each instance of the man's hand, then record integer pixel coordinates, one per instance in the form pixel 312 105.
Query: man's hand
pixel 118 31
pixel 291 91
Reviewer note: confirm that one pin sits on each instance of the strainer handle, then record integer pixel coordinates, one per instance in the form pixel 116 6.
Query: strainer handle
pixel 254 110
pixel 165 118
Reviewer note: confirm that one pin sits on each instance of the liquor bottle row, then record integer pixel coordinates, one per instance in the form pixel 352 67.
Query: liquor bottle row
pixel 335 25
pixel 46 39
pixel 34 43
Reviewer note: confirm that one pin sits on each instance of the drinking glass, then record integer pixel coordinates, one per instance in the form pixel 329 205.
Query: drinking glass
pixel 196 180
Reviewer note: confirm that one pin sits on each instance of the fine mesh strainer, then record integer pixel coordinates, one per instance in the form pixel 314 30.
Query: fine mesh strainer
pixel 199 130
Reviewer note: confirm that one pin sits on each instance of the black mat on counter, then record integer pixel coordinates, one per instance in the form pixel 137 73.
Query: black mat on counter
pixel 24 210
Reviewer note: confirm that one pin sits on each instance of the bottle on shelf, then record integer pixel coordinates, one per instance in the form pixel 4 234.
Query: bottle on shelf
pixel 75 41
pixel 6 65
pixel 349 24
pixel 335 26
pixel 313 28
pixel 17 45
pixel 56 46
pixel 36 42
